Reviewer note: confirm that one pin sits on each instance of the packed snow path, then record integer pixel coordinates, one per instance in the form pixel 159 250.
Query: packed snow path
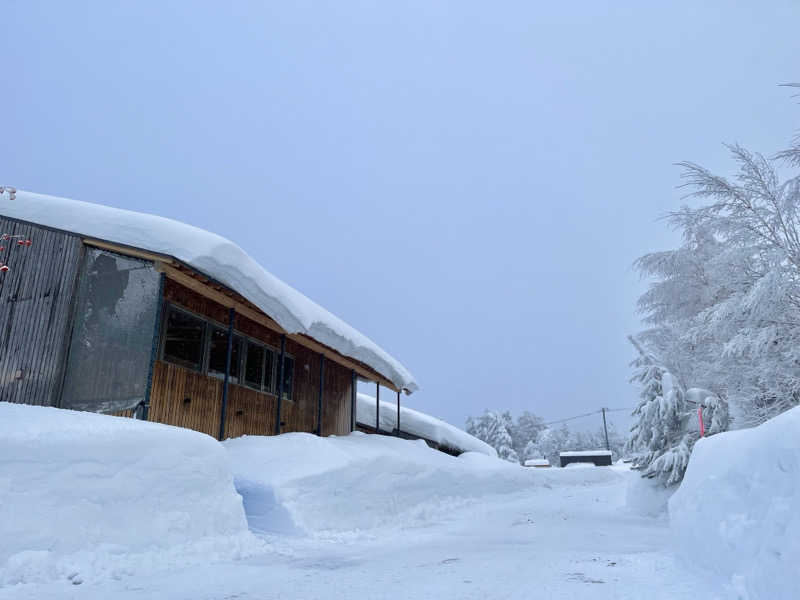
pixel 571 541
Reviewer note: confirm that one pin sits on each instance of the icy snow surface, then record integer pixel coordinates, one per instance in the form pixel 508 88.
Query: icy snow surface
pixel 736 512
pixel 83 493
pixel 219 259
pixel 419 424
pixel 359 516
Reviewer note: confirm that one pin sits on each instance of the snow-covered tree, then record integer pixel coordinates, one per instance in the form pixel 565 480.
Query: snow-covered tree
pixel 552 442
pixel 531 450
pixel 493 428
pixel 524 431
pixel 666 428
pixel 723 309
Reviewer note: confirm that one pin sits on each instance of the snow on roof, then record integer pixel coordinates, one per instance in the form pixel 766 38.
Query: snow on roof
pixel 586 453
pixel 537 462
pixel 419 424
pixel 216 257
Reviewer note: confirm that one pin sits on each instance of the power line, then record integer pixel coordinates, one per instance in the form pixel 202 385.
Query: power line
pixel 589 414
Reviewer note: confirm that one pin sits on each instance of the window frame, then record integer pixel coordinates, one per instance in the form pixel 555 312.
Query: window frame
pixel 199 367
pixel 209 325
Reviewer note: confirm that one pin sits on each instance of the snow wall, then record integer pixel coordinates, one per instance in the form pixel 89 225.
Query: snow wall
pixel 736 512
pixel 340 487
pixel 85 495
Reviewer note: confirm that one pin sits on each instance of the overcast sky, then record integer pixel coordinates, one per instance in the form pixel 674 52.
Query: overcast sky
pixel 466 183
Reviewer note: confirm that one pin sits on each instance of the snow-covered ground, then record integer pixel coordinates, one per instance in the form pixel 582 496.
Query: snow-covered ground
pixel 351 517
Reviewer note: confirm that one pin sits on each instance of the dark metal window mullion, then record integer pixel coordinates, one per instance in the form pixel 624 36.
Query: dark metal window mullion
pixel 228 356
pixel 321 387
pixel 280 385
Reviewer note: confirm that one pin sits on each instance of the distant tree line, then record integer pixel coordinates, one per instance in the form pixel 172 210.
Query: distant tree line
pixel 528 437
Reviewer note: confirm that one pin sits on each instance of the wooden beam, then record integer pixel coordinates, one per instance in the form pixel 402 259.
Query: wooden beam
pixel 333 355
pixel 209 292
pixel 128 251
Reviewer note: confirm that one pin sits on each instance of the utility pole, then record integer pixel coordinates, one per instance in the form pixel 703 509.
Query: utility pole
pixel 605 429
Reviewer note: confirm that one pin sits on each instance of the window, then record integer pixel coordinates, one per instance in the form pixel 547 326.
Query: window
pixel 288 373
pixel 259 367
pixel 218 353
pixel 252 362
pixel 183 340
pixel 269 371
pixel 254 367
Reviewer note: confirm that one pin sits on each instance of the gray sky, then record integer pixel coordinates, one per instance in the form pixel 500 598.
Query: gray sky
pixel 467 183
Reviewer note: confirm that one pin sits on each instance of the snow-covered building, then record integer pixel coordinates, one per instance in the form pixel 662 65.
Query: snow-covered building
pixel 378 416
pixel 599 458
pixel 537 462
pixel 114 311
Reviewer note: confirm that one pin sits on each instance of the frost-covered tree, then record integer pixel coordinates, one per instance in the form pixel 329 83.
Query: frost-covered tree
pixel 723 309
pixel 552 442
pixel 665 427
pixel 531 450
pixel 524 431
pixel 493 428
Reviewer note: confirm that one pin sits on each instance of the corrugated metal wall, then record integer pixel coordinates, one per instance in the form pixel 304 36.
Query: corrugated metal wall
pixel 35 311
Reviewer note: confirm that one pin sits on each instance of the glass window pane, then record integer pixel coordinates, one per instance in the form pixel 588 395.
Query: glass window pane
pixel 269 378
pixel 183 343
pixel 254 367
pixel 288 376
pixel 218 353
pixel 236 357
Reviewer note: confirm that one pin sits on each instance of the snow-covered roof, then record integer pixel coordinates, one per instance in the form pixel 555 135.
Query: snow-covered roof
pixel 419 424
pixel 586 453
pixel 537 462
pixel 217 258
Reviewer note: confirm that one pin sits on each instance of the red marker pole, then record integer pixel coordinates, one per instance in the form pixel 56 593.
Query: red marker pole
pixel 700 419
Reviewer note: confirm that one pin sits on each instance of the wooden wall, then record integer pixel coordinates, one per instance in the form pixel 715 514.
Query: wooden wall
pixel 35 311
pixel 249 412
pixel 185 398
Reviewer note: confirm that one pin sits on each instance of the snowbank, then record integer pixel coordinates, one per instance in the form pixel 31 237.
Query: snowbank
pixel 339 487
pixel 419 424
pixel 647 497
pixel 216 257
pixel 736 511
pixel 85 495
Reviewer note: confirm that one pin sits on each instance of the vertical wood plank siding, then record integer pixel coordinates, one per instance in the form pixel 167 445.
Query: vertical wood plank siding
pixel 250 412
pixel 185 398
pixel 35 311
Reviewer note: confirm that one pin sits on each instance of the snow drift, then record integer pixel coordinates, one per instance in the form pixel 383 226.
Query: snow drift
pixel 357 484
pixel 736 511
pixel 84 494
pixel 419 424
pixel 216 257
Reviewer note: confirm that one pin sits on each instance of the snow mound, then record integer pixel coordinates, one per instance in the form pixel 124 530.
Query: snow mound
pixel 419 424
pixel 647 497
pixel 217 258
pixel 736 511
pixel 339 487
pixel 86 495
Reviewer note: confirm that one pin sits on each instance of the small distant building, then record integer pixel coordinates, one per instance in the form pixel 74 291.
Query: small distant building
pixel 599 458
pixel 541 463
